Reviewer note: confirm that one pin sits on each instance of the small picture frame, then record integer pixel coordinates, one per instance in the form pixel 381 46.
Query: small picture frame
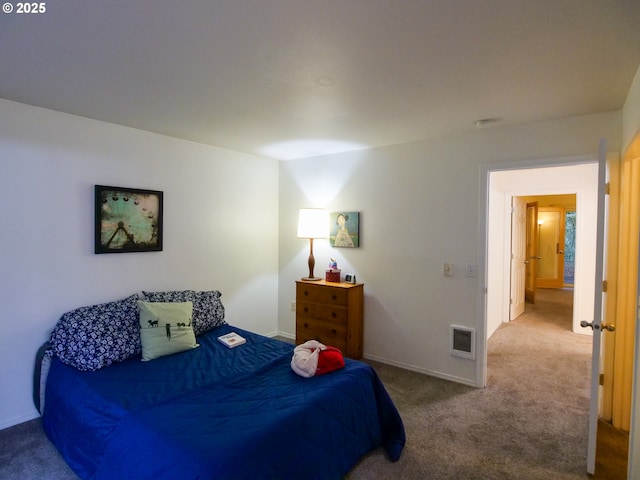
pixel 345 229
pixel 127 220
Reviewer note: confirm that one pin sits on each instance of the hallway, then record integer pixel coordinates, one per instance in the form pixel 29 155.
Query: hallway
pixel 545 368
pixel 553 312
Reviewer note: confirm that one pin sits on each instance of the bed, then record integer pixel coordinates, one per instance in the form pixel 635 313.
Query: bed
pixel 216 412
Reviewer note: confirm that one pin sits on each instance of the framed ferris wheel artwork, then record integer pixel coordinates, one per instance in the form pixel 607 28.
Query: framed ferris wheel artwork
pixel 127 220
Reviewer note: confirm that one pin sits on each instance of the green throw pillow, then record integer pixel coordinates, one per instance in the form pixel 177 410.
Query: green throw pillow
pixel 165 328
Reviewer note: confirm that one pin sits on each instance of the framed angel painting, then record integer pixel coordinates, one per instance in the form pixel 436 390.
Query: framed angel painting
pixel 344 229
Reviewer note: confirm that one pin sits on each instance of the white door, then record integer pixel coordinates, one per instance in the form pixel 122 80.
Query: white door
pixel 597 311
pixel 518 256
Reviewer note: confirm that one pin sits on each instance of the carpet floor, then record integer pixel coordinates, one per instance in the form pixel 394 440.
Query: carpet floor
pixel 531 422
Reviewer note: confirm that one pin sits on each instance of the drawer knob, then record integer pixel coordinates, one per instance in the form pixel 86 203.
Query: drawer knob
pixel 334 331
pixel 306 325
pixel 306 309
pixel 334 314
pixel 306 293
pixel 334 297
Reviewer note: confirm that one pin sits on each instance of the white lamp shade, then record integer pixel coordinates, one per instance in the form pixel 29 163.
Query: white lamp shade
pixel 313 223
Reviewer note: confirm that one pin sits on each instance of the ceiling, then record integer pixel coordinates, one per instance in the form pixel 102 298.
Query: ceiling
pixel 298 78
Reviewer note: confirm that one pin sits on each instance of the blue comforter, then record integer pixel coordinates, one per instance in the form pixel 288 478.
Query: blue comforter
pixel 219 413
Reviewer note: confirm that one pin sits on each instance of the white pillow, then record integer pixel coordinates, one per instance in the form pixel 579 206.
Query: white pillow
pixel 166 328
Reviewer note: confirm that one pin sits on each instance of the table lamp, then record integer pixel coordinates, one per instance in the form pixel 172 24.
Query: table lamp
pixel 312 223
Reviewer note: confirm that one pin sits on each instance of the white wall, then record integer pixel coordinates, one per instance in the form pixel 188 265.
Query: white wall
pixel 420 206
pixel 631 113
pixel 220 230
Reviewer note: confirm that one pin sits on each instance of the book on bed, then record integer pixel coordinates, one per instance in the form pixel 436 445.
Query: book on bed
pixel 232 340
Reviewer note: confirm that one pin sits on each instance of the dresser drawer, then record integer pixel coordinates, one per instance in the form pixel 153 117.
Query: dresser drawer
pixel 327 312
pixel 325 333
pixel 322 294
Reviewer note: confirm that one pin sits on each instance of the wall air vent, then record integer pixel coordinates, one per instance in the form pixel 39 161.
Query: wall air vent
pixel 463 342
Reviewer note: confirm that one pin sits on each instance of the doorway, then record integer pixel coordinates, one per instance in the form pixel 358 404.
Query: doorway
pixel 504 185
pixel 569 177
pixel 539 245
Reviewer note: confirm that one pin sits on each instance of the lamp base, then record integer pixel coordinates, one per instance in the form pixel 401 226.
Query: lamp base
pixel 311 279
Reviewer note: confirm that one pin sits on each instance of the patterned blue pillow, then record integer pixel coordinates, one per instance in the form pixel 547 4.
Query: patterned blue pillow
pixel 208 311
pixel 92 337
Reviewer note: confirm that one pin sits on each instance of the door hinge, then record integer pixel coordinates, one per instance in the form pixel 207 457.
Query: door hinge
pixel 607 188
pixel 601 379
pixel 605 286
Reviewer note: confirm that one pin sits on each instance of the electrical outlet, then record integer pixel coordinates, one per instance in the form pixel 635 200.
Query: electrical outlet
pixel 293 306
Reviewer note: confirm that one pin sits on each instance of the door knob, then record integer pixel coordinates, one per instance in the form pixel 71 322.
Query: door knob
pixel 602 326
pixel 585 324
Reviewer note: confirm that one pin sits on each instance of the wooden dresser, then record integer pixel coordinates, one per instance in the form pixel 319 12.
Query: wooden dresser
pixel 331 313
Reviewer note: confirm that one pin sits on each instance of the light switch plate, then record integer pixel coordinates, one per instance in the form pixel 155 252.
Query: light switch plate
pixel 472 270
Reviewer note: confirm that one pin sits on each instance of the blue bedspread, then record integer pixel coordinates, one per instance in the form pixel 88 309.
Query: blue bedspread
pixel 219 413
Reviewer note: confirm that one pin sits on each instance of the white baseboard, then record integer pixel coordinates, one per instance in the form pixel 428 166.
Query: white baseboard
pixel 283 334
pixel 406 366
pixel 413 368
pixel 17 420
